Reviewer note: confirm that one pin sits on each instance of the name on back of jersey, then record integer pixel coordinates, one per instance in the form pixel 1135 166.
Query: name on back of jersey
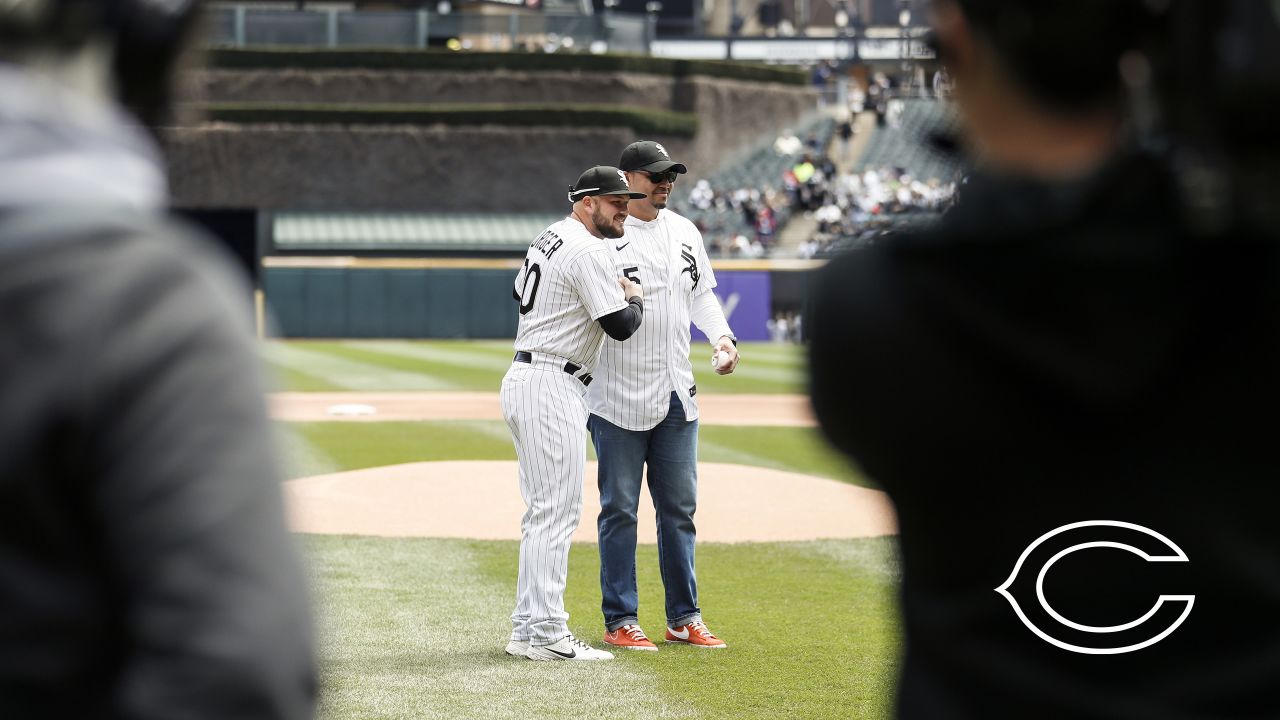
pixel 547 243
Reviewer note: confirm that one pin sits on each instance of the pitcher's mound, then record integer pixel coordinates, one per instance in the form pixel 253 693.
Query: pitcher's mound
pixel 481 500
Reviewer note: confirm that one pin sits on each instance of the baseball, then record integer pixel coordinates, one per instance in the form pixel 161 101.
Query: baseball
pixel 719 359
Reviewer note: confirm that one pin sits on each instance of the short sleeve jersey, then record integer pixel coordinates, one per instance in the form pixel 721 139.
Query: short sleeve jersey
pixel 633 383
pixel 567 282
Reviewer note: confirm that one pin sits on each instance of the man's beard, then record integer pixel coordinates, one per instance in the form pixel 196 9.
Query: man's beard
pixel 604 226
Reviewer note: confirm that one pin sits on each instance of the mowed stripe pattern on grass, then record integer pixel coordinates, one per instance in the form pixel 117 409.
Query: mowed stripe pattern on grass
pixel 317 366
pixel 320 448
pixel 415 628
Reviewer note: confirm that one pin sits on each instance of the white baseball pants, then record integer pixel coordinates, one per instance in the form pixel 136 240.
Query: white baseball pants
pixel 546 411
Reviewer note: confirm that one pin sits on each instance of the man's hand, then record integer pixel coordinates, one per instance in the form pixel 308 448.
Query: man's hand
pixel 726 346
pixel 630 288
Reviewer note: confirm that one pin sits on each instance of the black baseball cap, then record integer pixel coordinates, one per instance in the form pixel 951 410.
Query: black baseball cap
pixel 602 180
pixel 649 156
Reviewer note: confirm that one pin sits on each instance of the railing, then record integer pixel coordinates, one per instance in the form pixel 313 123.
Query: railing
pixel 877 47
pixel 244 26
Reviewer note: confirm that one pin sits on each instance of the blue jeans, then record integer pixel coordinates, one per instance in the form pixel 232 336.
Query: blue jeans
pixel 671 451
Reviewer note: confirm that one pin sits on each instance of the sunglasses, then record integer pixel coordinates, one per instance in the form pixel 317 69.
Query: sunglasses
pixel 657 178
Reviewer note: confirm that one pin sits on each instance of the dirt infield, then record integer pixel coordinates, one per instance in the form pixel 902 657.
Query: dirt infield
pixel 775 410
pixel 481 500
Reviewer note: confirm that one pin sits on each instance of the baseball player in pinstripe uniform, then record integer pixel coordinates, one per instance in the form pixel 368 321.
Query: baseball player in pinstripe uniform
pixel 643 406
pixel 569 299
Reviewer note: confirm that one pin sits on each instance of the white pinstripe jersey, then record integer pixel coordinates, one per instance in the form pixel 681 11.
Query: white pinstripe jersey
pixel 633 381
pixel 567 282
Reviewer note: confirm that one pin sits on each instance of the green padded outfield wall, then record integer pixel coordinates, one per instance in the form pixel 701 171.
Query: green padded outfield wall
pixel 399 303
pixel 461 300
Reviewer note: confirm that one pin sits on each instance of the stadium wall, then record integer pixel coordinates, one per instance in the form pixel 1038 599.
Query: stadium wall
pixel 447 168
pixel 453 300
pixel 296 85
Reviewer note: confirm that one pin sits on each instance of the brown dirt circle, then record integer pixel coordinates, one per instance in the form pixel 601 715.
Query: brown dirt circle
pixel 481 499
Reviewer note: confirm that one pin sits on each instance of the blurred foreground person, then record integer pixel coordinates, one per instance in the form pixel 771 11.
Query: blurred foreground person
pixel 145 569
pixel 1064 388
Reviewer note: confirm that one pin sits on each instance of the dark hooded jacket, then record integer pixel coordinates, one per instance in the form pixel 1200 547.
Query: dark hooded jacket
pixel 1064 362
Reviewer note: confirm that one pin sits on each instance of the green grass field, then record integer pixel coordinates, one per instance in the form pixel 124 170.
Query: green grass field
pixel 479 365
pixel 324 447
pixel 414 628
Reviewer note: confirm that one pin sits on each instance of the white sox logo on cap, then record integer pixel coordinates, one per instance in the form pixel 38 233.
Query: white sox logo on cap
pixel 662 150
pixel 623 176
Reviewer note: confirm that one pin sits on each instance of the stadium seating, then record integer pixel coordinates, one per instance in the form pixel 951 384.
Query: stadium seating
pixel 757 167
pixel 428 233
pixel 909 146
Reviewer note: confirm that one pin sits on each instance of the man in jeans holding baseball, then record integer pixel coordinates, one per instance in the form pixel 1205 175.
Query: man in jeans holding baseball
pixel 643 410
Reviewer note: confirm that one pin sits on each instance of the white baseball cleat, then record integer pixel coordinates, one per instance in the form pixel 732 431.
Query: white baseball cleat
pixel 518 648
pixel 567 648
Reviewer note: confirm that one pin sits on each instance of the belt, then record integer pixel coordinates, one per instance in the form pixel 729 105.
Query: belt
pixel 569 367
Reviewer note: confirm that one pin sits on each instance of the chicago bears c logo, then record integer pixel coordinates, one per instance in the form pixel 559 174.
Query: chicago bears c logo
pixel 1168 612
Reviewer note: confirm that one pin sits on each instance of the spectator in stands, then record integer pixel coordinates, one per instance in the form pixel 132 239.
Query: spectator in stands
pixel 825 167
pixel 820 77
pixel 919 84
pixel 941 83
pixel 746 248
pixel 829 214
pixel 845 132
pixel 766 225
pixel 893 113
pixel 857 99
pixel 787 143
pixel 746 206
pixel 701 195
pixel 804 169
pixel 777 327
pixel 848 203
pixel 145 566
pixel 769 13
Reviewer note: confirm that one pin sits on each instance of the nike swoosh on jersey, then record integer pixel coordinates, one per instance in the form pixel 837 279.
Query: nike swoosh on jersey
pixel 619 248
pixel 683 634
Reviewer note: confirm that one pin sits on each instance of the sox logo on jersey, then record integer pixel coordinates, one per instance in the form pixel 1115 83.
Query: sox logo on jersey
pixel 691 265
pixel 566 283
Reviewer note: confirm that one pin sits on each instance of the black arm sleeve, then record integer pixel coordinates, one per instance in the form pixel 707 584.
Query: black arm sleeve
pixel 622 324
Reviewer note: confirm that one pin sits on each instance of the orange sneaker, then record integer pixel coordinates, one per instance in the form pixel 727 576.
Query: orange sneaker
pixel 695 633
pixel 630 637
